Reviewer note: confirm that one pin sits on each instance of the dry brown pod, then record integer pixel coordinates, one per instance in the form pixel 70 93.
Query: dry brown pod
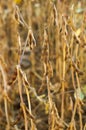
pixel 31 42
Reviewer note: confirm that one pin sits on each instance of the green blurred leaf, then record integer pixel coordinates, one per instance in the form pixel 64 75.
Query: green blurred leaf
pixel 80 10
pixel 79 94
pixel 84 89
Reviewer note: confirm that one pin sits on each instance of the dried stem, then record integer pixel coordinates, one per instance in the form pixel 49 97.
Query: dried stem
pixel 21 98
pixel 63 81
pixel 5 92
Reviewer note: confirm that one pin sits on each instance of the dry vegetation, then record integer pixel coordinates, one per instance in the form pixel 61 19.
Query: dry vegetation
pixel 43 65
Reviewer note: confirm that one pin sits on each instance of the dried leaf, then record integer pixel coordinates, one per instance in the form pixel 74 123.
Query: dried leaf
pixel 78 31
